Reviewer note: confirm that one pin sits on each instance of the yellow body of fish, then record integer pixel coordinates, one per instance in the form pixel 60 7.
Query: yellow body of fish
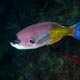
pixel 59 33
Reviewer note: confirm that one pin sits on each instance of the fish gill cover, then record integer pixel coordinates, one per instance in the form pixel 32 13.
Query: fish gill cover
pixel 57 62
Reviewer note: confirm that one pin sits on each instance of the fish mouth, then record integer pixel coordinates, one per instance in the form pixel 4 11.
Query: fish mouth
pixel 21 47
pixel 17 46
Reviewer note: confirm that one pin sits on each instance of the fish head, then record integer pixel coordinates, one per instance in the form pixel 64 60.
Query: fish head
pixel 29 40
pixel 34 36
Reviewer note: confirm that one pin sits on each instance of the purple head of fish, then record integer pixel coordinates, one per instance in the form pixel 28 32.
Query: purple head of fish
pixel 34 36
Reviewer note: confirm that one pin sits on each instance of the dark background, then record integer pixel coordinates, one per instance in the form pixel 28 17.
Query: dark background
pixel 46 63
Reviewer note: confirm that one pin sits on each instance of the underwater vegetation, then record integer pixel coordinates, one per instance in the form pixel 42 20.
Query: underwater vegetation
pixel 60 61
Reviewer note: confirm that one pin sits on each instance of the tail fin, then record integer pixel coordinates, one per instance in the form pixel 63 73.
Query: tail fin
pixel 71 30
pixel 75 30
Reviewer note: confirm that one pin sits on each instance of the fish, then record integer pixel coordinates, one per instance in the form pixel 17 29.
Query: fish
pixel 42 34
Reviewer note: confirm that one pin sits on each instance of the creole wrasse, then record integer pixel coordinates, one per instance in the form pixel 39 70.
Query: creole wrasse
pixel 41 34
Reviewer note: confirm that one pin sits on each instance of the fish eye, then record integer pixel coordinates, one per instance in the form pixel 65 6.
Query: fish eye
pixel 32 41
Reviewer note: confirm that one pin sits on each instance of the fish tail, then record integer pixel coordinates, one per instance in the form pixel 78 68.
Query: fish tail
pixel 75 30
pixel 71 30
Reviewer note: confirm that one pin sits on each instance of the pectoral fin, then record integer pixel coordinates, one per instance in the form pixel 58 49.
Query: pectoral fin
pixel 42 38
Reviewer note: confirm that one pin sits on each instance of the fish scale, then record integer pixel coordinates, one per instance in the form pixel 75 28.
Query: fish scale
pixel 58 34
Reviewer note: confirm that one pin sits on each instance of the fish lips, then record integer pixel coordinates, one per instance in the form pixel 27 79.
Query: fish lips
pixel 21 47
